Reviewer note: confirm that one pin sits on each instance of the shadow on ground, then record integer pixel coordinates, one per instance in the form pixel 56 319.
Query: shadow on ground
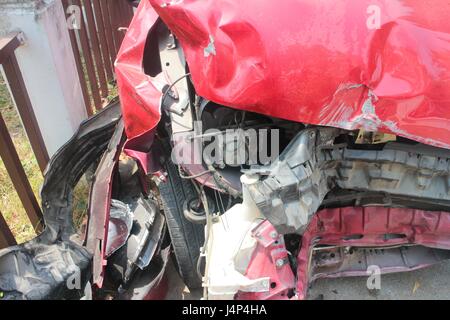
pixel 177 289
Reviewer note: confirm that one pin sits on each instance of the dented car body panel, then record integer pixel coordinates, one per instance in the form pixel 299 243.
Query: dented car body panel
pixel 314 62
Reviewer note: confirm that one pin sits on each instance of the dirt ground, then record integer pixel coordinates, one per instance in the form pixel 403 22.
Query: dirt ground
pixel 432 283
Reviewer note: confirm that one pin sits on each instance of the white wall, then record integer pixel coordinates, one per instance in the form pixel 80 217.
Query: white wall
pixel 48 66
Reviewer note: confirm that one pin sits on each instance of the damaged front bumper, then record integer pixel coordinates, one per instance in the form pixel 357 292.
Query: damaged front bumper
pixel 125 226
pixel 337 243
pixel 43 267
pixel 327 208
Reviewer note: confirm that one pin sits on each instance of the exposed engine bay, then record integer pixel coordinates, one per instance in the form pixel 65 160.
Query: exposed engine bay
pixel 332 203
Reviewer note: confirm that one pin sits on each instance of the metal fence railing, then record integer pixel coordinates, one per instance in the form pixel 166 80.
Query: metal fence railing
pixel 8 153
pixel 96 32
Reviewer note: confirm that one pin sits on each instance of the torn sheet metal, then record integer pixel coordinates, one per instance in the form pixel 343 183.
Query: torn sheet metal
pixel 270 259
pixel 313 63
pixel 140 94
pixel 338 242
pixel 100 204
pixel 372 228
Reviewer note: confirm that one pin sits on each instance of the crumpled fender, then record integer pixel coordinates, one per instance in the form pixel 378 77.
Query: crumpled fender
pixel 305 61
pixel 140 94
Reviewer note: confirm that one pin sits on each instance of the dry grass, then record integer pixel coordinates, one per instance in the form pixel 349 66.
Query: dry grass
pixel 10 204
pixel 81 202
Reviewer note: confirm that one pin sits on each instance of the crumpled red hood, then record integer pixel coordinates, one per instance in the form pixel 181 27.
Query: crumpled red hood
pixel 313 61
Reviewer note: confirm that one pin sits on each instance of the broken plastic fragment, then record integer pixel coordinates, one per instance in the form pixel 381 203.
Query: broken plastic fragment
pixel 120 224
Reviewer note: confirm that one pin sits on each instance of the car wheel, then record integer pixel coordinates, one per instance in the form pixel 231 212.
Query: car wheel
pixel 187 237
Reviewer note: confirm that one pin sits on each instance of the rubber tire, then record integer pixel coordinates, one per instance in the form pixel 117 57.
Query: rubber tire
pixel 187 237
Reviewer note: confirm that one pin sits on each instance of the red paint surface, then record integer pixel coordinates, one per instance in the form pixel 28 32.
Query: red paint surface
pixel 263 264
pixel 309 61
pixel 139 94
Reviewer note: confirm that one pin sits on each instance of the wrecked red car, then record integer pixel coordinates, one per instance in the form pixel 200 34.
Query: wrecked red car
pixel 265 144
